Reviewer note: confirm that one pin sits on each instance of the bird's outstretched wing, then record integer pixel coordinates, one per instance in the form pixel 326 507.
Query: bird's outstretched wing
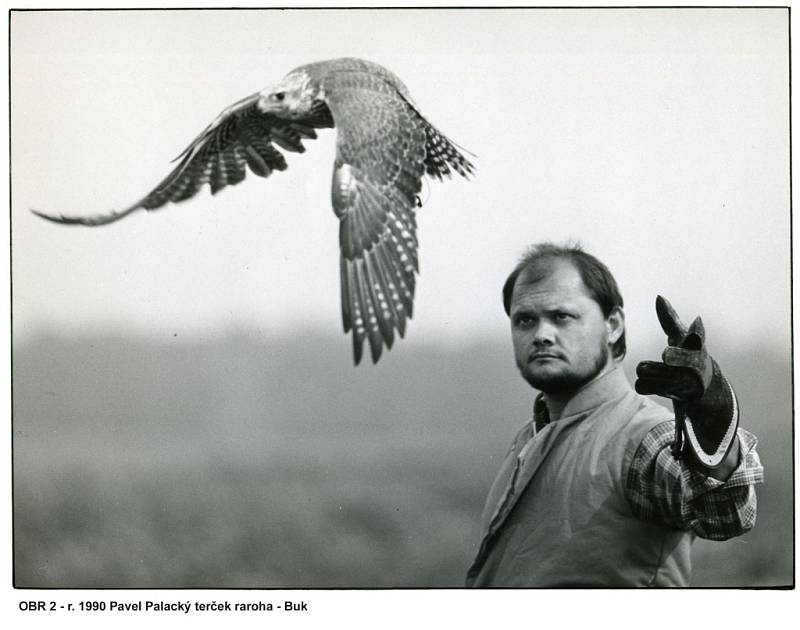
pixel 384 147
pixel 241 136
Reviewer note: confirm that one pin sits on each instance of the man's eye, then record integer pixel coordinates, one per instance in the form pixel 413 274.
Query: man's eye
pixel 562 317
pixel 523 321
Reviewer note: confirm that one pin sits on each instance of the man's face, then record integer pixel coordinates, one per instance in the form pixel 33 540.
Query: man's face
pixel 561 338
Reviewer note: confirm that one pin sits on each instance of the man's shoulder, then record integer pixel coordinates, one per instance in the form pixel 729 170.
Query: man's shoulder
pixel 523 433
pixel 634 415
pixel 647 413
pixel 650 408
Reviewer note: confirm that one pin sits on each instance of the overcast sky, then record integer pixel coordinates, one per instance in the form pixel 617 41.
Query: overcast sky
pixel 658 138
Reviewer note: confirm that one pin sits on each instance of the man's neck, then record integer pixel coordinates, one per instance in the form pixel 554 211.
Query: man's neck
pixel 556 402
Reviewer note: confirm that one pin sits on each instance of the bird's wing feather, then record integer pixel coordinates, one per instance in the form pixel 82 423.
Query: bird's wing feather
pixel 241 136
pixel 442 156
pixel 380 162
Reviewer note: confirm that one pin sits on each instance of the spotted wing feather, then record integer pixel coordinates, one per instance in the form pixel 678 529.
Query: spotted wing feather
pixel 241 137
pixel 384 148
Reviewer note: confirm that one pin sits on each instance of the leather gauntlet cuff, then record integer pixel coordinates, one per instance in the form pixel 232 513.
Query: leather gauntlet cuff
pixel 711 422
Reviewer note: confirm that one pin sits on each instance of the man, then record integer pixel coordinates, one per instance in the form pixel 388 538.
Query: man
pixel 599 489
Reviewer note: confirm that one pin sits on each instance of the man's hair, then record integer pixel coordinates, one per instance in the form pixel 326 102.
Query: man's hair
pixel 595 275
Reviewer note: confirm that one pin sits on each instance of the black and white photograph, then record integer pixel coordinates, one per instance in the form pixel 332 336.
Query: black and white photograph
pixel 400 299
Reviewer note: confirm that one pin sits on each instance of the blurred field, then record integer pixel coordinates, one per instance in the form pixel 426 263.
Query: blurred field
pixel 248 461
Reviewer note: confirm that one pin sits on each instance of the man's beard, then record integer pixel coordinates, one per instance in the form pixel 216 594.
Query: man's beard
pixel 564 383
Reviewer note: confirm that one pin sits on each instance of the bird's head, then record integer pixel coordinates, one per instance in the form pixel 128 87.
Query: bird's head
pixel 293 97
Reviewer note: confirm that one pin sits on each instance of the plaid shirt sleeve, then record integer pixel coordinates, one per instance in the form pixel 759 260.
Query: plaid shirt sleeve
pixel 664 490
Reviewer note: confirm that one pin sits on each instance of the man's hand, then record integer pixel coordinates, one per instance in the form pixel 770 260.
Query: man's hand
pixel 694 382
pixel 686 371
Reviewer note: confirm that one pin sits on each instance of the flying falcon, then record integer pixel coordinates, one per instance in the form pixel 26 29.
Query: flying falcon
pixel 384 147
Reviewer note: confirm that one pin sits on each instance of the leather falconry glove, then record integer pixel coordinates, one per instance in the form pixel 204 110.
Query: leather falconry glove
pixel 706 410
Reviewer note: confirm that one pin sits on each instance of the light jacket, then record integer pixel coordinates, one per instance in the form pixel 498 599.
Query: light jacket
pixel 557 514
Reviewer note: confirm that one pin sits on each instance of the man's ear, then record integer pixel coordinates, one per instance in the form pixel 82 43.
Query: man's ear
pixel 615 325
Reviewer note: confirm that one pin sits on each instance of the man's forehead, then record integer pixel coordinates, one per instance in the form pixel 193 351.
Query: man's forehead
pixel 550 276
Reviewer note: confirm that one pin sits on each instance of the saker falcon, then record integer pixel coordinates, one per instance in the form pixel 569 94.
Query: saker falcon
pixel 384 147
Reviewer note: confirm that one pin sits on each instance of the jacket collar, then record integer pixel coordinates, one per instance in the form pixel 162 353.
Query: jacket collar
pixel 609 386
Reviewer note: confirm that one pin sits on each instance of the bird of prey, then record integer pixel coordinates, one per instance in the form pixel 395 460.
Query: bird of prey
pixel 384 147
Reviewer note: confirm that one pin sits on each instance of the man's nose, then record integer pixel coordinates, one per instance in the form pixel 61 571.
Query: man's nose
pixel 544 334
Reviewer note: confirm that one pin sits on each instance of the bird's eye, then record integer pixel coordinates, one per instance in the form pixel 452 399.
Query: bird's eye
pixel 279 96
